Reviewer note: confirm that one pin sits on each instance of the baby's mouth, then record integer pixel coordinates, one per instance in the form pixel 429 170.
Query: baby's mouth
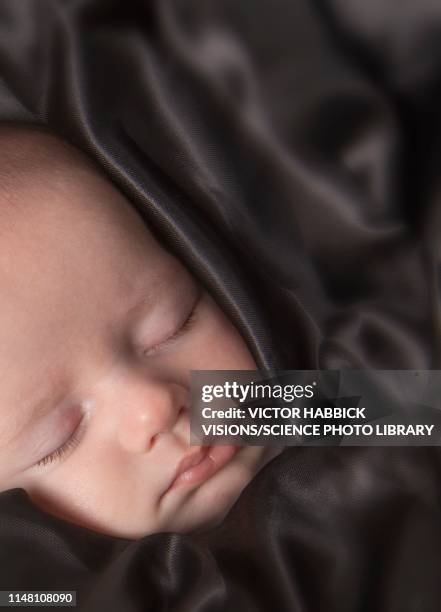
pixel 199 466
pixel 191 460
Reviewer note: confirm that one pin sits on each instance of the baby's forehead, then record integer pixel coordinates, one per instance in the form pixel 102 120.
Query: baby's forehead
pixel 33 155
pixel 67 224
pixel 47 183
pixel 62 220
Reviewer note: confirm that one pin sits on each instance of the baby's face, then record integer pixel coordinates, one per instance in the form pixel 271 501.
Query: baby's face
pixel 99 329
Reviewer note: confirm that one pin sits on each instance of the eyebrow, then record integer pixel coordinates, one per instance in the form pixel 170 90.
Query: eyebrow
pixel 32 413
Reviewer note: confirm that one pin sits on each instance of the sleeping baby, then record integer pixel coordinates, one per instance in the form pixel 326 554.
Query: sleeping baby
pixel 100 327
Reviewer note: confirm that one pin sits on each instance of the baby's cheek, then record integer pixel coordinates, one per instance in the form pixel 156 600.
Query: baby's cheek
pixel 97 499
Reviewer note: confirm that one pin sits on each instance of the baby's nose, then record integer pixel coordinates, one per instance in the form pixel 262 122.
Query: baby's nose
pixel 151 409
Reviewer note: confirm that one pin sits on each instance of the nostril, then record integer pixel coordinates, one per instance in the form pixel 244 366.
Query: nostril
pixel 154 440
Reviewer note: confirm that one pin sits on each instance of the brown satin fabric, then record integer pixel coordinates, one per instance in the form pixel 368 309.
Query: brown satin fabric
pixel 288 152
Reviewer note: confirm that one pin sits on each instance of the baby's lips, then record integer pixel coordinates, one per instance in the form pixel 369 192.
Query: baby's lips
pixel 191 459
pixel 199 466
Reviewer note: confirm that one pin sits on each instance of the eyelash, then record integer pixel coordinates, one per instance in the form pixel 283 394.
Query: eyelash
pixel 75 438
pixel 59 452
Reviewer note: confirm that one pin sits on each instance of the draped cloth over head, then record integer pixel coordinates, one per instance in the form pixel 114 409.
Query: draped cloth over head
pixel 288 152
